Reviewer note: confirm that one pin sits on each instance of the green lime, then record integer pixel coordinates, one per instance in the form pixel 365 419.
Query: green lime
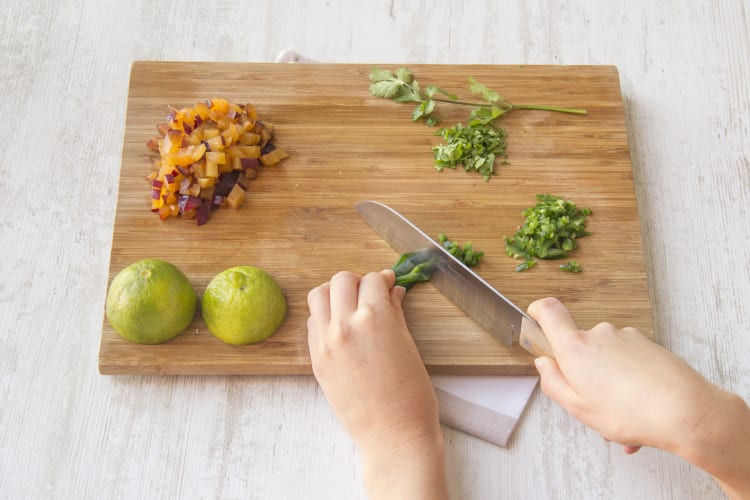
pixel 243 305
pixel 150 302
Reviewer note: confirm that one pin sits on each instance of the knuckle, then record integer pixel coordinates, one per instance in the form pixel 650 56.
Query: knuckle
pixel 604 327
pixel 366 315
pixel 629 330
pixel 340 333
pixel 540 306
pixel 343 276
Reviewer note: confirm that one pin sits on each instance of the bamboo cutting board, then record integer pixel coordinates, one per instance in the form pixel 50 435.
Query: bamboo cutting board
pixel 299 223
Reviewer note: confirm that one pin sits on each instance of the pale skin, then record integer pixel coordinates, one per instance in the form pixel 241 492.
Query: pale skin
pixel 616 381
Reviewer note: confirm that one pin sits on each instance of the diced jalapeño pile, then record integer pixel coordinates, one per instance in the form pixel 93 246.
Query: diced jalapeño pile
pixel 550 231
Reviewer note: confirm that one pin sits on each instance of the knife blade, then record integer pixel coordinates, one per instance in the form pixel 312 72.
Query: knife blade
pixel 477 298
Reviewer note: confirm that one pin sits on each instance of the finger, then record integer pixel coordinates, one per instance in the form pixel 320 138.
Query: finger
pixel 344 290
pixel 374 289
pixel 553 382
pixel 319 303
pixel 396 293
pixel 312 339
pixel 555 320
pixel 630 449
pixel 390 277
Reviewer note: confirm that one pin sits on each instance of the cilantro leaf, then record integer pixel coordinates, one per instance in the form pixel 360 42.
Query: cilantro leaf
pixel 385 88
pixel 379 75
pixel 404 75
pixel 487 93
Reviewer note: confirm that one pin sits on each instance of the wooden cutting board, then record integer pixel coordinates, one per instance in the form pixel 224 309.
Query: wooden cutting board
pixel 299 223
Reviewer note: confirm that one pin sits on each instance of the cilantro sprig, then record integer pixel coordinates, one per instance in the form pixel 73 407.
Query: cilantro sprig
pixel 474 146
pixel 550 231
pixel 401 86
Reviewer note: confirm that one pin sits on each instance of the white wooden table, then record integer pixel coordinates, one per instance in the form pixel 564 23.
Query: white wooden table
pixel 68 432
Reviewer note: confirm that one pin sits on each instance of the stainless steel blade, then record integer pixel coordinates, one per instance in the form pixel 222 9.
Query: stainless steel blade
pixel 488 307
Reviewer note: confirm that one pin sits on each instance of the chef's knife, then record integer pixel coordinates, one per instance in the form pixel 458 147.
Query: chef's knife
pixel 488 307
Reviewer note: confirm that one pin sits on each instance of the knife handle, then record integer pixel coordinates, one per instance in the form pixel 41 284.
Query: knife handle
pixel 533 339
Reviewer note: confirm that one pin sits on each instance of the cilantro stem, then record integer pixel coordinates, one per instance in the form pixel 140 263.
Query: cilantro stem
pixel 575 111
pixel 463 103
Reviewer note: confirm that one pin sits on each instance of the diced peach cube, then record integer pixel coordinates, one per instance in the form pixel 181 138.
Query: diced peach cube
pixel 236 196
pixel 212 169
pixel 248 139
pixel 201 109
pixel 251 111
pixel 215 143
pixel 172 141
pixel 164 212
pixel 216 157
pixel 210 132
pixel 219 105
pixel 273 157
pixel 251 151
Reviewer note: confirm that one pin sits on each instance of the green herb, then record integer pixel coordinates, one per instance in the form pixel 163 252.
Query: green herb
pixel 417 267
pixel 475 145
pixel 550 231
pixel 527 264
pixel 572 267
pixel 465 254
pixel 401 86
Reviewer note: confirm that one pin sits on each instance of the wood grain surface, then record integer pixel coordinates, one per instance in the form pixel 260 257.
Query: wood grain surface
pixel 70 433
pixel 299 221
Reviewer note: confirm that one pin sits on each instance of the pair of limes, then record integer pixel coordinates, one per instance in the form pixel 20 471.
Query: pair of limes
pixel 151 301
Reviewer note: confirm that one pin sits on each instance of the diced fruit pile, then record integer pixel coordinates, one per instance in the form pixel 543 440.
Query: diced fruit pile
pixel 207 155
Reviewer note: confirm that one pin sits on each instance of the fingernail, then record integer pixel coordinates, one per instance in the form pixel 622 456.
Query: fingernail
pixel 541 362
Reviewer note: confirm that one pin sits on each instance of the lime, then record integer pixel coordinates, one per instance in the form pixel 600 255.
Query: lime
pixel 150 302
pixel 243 305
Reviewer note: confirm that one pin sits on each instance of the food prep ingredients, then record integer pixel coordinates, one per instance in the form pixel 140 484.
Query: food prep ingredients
pixel 150 302
pixel 243 305
pixel 571 267
pixel 475 145
pixel 208 153
pixel 417 267
pixel 550 231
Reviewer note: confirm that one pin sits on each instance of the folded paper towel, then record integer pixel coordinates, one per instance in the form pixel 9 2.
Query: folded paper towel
pixel 487 407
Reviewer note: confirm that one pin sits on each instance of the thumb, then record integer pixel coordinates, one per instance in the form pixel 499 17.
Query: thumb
pixel 556 322
pixel 553 382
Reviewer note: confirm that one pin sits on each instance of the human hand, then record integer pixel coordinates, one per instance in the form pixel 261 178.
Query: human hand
pixel 368 366
pixel 616 381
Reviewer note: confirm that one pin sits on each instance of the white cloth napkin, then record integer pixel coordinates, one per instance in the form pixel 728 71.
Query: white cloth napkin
pixel 487 407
